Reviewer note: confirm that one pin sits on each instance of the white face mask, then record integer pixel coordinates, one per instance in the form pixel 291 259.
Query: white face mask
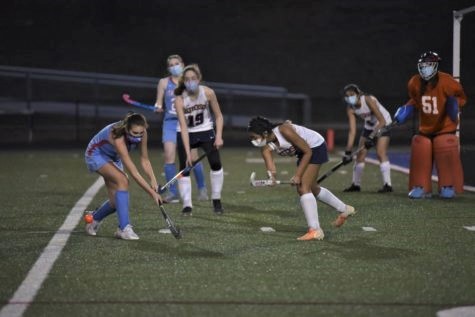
pixel 352 100
pixel 259 142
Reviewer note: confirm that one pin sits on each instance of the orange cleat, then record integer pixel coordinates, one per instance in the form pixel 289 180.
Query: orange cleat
pixel 312 234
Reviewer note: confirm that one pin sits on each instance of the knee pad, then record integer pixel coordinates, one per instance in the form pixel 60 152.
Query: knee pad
pixel 447 161
pixel 420 169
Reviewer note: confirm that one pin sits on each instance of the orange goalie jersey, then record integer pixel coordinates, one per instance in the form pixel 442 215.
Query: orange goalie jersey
pixel 433 118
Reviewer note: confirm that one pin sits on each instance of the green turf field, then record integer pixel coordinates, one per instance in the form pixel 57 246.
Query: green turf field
pixel 419 261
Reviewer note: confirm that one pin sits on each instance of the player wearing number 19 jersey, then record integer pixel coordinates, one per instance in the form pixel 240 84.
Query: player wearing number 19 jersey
pixel 194 104
pixel 437 97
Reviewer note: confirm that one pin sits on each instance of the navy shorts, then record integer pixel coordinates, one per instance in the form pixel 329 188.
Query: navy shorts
pixel 367 132
pixel 319 155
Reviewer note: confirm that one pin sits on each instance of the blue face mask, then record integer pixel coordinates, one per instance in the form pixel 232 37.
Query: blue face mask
pixel 134 139
pixel 351 100
pixel 175 70
pixel 192 85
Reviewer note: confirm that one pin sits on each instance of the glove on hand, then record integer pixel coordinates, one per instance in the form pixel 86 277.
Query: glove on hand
pixel 369 143
pixel 347 158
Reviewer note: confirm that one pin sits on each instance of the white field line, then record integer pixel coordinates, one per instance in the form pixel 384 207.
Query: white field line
pixel 28 289
pixel 406 171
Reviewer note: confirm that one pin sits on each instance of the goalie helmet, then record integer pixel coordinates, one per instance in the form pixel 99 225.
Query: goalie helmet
pixel 427 64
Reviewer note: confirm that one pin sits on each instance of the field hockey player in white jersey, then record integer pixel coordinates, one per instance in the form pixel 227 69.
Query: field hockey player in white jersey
pixel 194 104
pixel 166 103
pixel 311 151
pixel 375 117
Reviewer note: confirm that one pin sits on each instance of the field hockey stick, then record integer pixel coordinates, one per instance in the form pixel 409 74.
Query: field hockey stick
pixel 170 224
pixel 175 178
pixel 265 182
pixel 138 104
pixel 341 163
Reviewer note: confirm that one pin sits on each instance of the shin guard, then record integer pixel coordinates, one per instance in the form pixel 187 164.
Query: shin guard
pixel 447 161
pixel 420 170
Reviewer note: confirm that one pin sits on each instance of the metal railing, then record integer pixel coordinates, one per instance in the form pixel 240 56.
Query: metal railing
pixel 282 103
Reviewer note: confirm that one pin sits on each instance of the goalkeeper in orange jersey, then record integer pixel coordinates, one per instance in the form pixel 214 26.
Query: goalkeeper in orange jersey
pixel 438 97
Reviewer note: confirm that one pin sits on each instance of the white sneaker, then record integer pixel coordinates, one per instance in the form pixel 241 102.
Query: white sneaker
pixel 93 227
pixel 126 234
pixel 203 194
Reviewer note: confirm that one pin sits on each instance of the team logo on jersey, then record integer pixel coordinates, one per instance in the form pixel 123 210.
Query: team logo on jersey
pixel 195 107
pixel 287 152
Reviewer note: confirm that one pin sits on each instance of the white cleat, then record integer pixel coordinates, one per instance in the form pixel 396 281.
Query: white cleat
pixel 93 227
pixel 126 234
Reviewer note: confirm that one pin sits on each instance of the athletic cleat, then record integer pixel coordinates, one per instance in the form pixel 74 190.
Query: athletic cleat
pixel 170 198
pixel 126 234
pixel 418 193
pixel 93 227
pixel 312 234
pixel 340 220
pixel 186 211
pixel 352 188
pixel 386 189
pixel 203 194
pixel 447 192
pixel 218 208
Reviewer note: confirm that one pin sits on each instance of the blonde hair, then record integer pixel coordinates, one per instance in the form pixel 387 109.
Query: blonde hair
pixel 174 56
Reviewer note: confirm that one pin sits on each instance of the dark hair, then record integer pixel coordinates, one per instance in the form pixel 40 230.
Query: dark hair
pixel 259 125
pixel 132 118
pixel 352 87
pixel 181 82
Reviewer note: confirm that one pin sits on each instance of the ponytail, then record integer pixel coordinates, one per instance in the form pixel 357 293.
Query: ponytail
pixel 132 118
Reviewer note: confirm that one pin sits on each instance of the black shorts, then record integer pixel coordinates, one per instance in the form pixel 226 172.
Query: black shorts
pixel 204 140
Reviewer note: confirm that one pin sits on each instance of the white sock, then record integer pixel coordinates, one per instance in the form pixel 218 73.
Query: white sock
pixel 386 172
pixel 328 198
pixel 184 187
pixel 357 173
pixel 217 179
pixel 310 209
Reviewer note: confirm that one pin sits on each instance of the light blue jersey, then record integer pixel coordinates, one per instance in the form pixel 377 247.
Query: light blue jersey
pixel 100 151
pixel 170 111
pixel 170 119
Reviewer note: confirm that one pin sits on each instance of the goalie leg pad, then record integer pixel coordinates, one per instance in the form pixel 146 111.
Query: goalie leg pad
pixel 421 163
pixel 447 162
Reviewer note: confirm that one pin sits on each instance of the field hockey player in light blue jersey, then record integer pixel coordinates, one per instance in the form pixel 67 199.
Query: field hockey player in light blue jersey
pixel 165 92
pixel 106 154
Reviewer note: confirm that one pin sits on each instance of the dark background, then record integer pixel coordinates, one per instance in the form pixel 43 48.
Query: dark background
pixel 312 47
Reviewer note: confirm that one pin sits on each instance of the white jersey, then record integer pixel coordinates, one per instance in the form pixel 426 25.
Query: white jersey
pixel 364 112
pixel 286 148
pixel 197 112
